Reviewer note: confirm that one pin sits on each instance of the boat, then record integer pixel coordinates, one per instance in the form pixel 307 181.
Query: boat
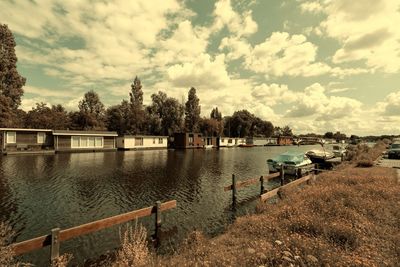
pixel 319 156
pixel 294 163
pixel 338 150
pixel 208 146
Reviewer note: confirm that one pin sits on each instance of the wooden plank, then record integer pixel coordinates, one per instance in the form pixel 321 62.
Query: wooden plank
pixel 252 181
pixel 273 193
pixel 42 241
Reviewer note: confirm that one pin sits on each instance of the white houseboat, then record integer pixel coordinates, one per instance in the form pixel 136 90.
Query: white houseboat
pixel 134 142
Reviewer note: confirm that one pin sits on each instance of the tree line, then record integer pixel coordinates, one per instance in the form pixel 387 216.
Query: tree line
pixel 163 116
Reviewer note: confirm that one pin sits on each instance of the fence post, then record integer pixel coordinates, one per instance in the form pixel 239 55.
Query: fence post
pixel 282 172
pixel 55 244
pixel 342 157
pixel 262 185
pixel 316 168
pixel 158 223
pixel 233 189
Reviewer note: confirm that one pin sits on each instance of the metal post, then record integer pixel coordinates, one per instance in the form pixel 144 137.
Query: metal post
pixel 262 185
pixel 55 244
pixel 342 157
pixel 282 172
pixel 316 168
pixel 158 223
pixel 233 189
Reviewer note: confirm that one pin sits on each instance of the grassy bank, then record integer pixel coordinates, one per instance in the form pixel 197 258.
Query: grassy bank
pixel 347 218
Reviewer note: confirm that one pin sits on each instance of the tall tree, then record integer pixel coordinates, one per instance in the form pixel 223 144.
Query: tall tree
pixel 287 131
pixel 211 127
pixel 215 114
pixel 192 111
pixel 137 114
pixel 91 115
pixel 11 82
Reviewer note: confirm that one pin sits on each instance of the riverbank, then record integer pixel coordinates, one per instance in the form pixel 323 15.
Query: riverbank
pixel 347 218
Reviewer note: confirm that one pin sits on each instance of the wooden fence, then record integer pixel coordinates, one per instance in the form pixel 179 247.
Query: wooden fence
pixel 57 235
pixel 236 185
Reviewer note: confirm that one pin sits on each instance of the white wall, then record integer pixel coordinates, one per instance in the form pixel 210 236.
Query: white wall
pixel 129 142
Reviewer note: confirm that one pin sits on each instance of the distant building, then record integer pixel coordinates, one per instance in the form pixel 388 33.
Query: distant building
pixel 15 140
pixel 73 141
pixel 285 140
pixel 211 141
pixel 133 142
pixel 231 141
pixel 188 140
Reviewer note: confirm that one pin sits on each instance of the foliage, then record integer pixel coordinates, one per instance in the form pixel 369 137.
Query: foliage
pixel 91 114
pixel 136 94
pixel 11 82
pixel 43 117
pixel 165 113
pixel 192 111
pixel 118 117
pixel 287 131
pixel 243 123
pixel 136 118
pixel 328 135
pixel 211 127
pixel 215 114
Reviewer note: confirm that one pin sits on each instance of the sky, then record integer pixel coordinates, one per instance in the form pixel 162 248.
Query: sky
pixel 315 65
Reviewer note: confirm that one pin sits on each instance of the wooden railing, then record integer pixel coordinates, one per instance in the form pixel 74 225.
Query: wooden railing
pixel 236 185
pixel 57 235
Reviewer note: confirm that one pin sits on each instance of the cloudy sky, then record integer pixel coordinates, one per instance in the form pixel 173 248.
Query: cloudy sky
pixel 316 65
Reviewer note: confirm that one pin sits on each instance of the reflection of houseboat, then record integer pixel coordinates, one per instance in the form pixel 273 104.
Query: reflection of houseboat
pixel 128 142
pixel 188 140
pixel 14 140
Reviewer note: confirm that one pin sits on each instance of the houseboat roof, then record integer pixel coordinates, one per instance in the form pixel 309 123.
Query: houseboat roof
pixel 25 130
pixel 144 136
pixel 89 133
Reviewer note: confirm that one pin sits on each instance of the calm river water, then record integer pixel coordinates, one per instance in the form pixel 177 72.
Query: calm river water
pixel 41 192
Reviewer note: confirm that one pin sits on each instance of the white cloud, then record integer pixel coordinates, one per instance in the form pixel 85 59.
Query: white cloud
pixel 202 73
pixel 367 30
pixel 235 47
pixel 390 106
pixel 239 24
pixel 285 54
pixel 312 7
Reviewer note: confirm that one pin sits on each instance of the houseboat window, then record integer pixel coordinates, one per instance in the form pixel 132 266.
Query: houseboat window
pixel 84 142
pixel 40 138
pixel 75 141
pixel 11 137
pixel 138 141
pixel 222 140
pixel 199 135
pixel 99 141
pixel 91 142
pixel 154 141
pixel 190 140
pixel 160 140
pixel 229 141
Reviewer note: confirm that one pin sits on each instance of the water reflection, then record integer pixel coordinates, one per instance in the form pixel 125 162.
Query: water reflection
pixel 40 192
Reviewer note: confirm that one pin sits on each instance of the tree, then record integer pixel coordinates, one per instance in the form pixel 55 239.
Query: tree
pixel 137 114
pixel 192 111
pixel 241 123
pixel 211 127
pixel 11 82
pixel 261 128
pixel 287 131
pixel 169 112
pixel 215 114
pixel 328 135
pixel 43 117
pixel 91 115
pixel 118 117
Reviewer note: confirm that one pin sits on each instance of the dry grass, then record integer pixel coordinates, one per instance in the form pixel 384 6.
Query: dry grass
pixel 350 218
pixel 364 156
pixel 134 250
pixel 62 261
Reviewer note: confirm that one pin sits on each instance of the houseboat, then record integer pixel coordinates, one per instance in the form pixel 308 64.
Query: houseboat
pixel 15 140
pixel 210 142
pixel 136 142
pixel 285 140
pixel 76 141
pixel 188 140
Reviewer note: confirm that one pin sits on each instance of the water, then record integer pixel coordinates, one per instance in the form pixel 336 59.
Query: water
pixel 41 192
